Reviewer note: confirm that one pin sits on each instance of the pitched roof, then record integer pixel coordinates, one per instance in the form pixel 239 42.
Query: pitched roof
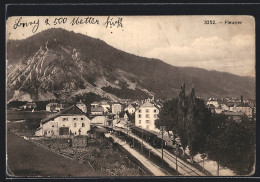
pixel 130 106
pixel 73 110
pixel 53 104
pixel 97 109
pixel 104 103
pixel 80 102
pixel 94 103
pixel 230 113
pixel 242 105
pixel 147 104
pixel 31 104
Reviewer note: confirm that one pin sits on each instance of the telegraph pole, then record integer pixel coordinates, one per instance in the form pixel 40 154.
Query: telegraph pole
pixel 142 141
pixel 161 128
pixel 218 168
pixel 177 152
pixel 203 156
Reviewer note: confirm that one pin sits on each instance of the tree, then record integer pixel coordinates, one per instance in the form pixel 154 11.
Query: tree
pixel 167 116
pixel 189 118
pixel 232 143
pixel 197 125
pixel 182 116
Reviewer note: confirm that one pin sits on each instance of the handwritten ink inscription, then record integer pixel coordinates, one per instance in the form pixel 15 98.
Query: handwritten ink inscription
pixel 87 20
pixel 20 23
pixel 110 22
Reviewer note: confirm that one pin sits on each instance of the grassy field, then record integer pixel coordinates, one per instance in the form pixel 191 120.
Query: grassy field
pixel 20 115
pixel 29 160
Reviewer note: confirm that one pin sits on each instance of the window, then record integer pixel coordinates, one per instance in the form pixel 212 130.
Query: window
pixel 75 119
pixel 155 116
pixel 139 116
pixel 83 124
pixel 52 126
pixel 81 119
pixel 147 115
pixel 140 121
pixel 147 126
pixel 140 110
pixel 154 111
pixel 75 124
pixel 64 119
pixel 147 110
pixel 147 121
pixel 49 131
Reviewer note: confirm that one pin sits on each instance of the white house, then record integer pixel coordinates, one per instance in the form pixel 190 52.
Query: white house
pixel 218 110
pixel 105 105
pixel 146 115
pixel 116 108
pixel 94 104
pixel 53 107
pixel 29 105
pixel 213 102
pixel 224 107
pixel 242 107
pixel 130 109
pixel 99 120
pixel 82 106
pixel 98 110
pixel 71 121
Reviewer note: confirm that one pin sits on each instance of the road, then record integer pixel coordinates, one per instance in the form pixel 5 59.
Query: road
pixel 183 167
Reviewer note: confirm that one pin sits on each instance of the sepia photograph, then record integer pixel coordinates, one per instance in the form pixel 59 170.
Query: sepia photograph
pixel 106 96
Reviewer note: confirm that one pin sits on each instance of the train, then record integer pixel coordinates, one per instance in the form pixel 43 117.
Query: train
pixel 149 137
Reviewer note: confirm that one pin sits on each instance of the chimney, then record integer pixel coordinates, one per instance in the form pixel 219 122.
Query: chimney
pixel 241 98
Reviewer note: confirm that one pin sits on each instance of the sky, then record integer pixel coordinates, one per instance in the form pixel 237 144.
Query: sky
pixel 177 40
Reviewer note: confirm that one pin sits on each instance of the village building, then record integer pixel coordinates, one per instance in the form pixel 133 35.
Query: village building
pixel 235 100
pixel 71 121
pixel 98 110
pixel 218 110
pixel 94 104
pixel 116 108
pixel 236 116
pixel 29 106
pixel 213 102
pixel 146 115
pixel 105 105
pixel 242 107
pixel 130 109
pixel 53 107
pixel 224 107
pixel 211 107
pixel 99 120
pixel 121 123
pixel 82 106
pixel 126 117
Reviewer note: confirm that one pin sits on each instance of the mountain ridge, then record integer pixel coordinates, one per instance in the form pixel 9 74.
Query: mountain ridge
pixel 90 64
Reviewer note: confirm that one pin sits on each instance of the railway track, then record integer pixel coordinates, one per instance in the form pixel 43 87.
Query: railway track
pixel 182 167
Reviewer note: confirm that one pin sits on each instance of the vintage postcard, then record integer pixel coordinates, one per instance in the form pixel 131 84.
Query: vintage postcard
pixel 130 96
